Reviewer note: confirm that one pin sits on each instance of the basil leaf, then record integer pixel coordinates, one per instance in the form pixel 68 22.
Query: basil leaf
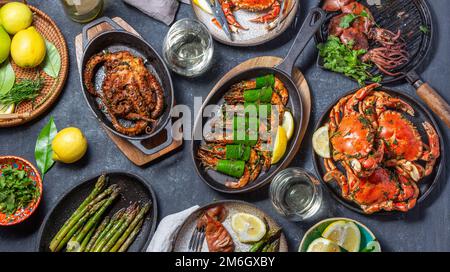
pixel 52 61
pixel 7 77
pixel 43 150
pixel 347 20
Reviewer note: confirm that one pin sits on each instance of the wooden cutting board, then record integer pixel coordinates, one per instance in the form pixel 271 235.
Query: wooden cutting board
pixel 297 78
pixel 129 150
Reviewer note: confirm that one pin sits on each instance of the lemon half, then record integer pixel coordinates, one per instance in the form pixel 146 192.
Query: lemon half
pixel 323 245
pixel 345 234
pixel 69 145
pixel 249 228
pixel 280 145
pixel 321 142
pixel 288 124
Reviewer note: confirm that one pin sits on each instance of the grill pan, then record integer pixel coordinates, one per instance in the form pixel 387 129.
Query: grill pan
pixel 426 185
pixel 119 39
pixel 408 16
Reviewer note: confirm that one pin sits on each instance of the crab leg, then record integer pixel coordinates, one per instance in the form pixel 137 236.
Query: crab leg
pixel 227 10
pixel 270 16
pixel 334 174
pixel 433 152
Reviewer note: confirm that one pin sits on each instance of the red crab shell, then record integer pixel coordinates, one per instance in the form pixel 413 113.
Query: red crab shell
pixel 401 136
pixel 253 5
pixel 354 137
pixel 377 188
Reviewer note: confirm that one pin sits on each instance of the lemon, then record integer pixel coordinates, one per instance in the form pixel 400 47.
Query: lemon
pixel 323 245
pixel 15 16
pixel 28 48
pixel 280 145
pixel 69 145
pixel 321 142
pixel 288 124
pixel 5 44
pixel 248 227
pixel 204 6
pixel 6 109
pixel 345 234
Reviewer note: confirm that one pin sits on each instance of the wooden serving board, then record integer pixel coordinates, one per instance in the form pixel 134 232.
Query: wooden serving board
pixel 129 150
pixel 297 78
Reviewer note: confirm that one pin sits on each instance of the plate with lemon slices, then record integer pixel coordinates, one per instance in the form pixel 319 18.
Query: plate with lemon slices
pixel 339 235
pixel 242 226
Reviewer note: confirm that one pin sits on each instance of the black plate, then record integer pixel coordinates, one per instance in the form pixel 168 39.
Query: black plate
pixel 134 188
pixel 405 15
pixel 216 180
pixel 426 185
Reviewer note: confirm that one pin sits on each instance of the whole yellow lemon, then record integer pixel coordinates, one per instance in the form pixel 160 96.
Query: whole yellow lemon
pixel 5 44
pixel 69 145
pixel 15 16
pixel 28 48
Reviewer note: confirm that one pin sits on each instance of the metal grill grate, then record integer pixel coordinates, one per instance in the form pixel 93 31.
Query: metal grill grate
pixel 408 16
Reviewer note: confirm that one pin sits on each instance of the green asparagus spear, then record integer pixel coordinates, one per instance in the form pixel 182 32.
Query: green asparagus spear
pixel 134 209
pixel 96 218
pixel 132 236
pixel 86 239
pixel 271 236
pixel 102 242
pixel 79 212
pixel 131 227
pixel 97 233
pixel 114 221
pixel 274 246
pixel 79 224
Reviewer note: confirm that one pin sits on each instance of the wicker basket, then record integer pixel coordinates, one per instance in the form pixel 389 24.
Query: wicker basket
pixel 52 86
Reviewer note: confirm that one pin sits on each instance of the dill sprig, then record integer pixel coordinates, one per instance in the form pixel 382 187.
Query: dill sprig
pixel 23 90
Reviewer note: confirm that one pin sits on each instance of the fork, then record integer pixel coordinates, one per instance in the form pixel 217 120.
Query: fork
pixel 197 238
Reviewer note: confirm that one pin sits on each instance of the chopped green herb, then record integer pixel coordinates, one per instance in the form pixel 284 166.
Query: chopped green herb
pixel 347 20
pixel 424 29
pixel 17 190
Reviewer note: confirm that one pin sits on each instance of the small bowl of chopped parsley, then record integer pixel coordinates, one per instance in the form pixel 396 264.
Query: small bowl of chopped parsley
pixel 20 190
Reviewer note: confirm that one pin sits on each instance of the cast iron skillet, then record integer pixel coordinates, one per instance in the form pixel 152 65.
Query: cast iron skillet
pixel 134 188
pixel 283 71
pixel 119 39
pixel 426 185
pixel 409 16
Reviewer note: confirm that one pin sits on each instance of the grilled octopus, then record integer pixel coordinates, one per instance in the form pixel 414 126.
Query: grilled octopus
pixel 217 237
pixel 129 91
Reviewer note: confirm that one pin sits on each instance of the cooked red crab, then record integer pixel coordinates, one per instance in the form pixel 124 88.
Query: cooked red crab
pixel 273 8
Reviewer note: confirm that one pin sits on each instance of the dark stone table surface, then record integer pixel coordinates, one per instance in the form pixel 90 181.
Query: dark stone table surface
pixel 425 228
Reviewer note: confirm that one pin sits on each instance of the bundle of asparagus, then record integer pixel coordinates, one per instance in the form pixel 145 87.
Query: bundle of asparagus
pixel 85 231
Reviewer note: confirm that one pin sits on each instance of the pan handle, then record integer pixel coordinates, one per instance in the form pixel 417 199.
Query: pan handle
pixel 94 23
pixel 151 151
pixel 431 97
pixel 313 21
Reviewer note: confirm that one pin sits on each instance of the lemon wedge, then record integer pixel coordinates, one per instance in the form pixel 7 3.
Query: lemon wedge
pixel 280 145
pixel 345 234
pixel 323 245
pixel 249 228
pixel 321 142
pixel 6 109
pixel 204 6
pixel 288 124
pixel 373 246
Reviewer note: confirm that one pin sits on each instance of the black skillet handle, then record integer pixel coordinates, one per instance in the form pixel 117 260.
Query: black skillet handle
pixel 98 21
pixel 162 146
pixel 313 22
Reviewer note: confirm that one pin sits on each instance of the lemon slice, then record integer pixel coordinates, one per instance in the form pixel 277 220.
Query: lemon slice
pixel 323 245
pixel 204 6
pixel 373 246
pixel 6 109
pixel 288 124
pixel 248 228
pixel 321 142
pixel 280 145
pixel 345 234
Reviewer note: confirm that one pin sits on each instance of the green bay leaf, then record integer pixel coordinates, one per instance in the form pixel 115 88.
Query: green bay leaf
pixel 43 150
pixel 7 77
pixel 52 61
